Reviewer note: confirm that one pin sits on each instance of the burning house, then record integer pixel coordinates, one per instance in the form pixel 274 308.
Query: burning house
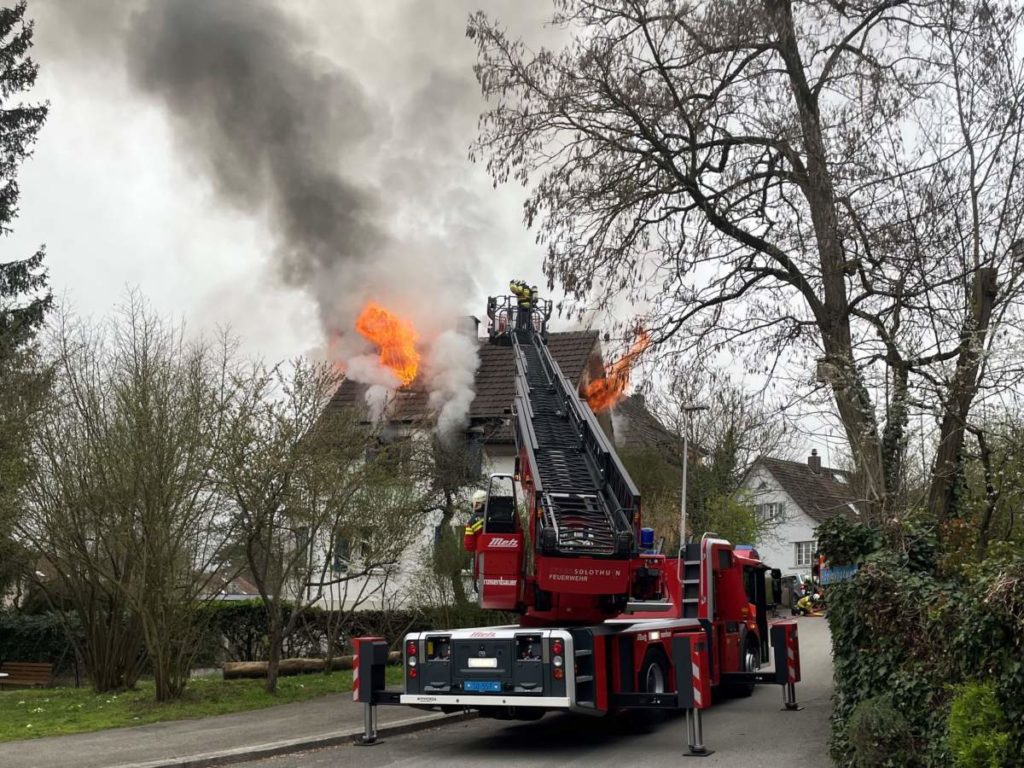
pixel 476 410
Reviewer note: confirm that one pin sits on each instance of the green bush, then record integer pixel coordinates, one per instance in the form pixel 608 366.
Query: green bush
pixel 880 735
pixel 978 733
pixel 844 542
pixel 237 630
pixel 905 633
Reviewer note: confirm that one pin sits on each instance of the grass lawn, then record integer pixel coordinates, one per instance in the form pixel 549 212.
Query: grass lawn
pixel 28 714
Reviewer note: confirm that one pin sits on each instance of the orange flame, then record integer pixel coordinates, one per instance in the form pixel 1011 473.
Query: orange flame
pixel 603 393
pixel 395 338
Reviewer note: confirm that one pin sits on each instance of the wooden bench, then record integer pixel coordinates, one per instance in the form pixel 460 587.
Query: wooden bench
pixel 28 674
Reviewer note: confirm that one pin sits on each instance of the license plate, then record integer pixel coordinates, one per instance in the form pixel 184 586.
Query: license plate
pixel 483 686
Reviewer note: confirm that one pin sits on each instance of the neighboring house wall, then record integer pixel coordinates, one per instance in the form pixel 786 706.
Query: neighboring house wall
pixel 779 547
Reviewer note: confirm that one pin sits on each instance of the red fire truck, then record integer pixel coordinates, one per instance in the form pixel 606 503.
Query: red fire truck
pixel 606 621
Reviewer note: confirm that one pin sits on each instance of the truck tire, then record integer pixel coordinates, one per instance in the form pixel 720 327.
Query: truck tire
pixel 653 678
pixel 653 674
pixel 751 661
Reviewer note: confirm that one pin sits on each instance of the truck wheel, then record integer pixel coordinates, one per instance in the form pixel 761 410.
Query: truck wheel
pixel 652 679
pixel 652 674
pixel 751 663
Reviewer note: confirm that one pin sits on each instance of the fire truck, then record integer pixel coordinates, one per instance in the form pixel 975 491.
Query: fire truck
pixel 606 621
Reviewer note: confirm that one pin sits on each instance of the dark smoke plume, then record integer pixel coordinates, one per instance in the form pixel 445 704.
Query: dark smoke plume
pixel 271 125
pixel 360 171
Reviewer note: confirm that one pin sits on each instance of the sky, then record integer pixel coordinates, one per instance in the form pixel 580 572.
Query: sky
pixel 167 165
pixel 126 188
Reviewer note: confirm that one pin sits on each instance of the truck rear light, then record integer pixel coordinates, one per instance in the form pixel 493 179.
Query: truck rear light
pixel 559 673
pixel 557 661
pixel 410 649
pixel 412 661
pixel 557 647
pixel 412 671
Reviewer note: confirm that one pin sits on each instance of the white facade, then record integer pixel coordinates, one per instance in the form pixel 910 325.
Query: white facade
pixel 403 583
pixel 789 540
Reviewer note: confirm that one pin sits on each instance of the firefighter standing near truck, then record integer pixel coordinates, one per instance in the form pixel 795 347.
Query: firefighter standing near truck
pixel 476 521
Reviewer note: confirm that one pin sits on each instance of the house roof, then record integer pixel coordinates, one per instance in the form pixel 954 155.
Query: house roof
pixel 822 495
pixel 494 383
pixel 636 427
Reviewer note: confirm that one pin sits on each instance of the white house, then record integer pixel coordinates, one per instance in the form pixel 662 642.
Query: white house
pixel 793 498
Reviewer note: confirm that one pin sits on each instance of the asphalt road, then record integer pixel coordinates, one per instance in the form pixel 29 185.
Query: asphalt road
pixel 752 732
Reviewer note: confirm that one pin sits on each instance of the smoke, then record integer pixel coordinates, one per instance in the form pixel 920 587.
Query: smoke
pixel 356 162
pixel 287 134
pixel 451 371
pixel 271 125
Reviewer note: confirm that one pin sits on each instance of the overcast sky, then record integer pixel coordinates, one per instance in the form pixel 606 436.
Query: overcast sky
pixel 121 196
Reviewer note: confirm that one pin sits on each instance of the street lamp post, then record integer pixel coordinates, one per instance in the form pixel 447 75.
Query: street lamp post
pixel 687 410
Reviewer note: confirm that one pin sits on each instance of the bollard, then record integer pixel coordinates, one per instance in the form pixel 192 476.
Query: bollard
pixel 368 665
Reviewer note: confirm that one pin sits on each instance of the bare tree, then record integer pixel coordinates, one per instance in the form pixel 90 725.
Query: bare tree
pixel 735 427
pixel 831 188
pixel 297 476
pixel 122 503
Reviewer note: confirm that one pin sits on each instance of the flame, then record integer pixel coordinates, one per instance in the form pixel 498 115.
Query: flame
pixel 603 393
pixel 395 338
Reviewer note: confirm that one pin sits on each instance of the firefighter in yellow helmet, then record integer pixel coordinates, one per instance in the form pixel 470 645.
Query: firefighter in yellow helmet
pixel 476 521
pixel 525 297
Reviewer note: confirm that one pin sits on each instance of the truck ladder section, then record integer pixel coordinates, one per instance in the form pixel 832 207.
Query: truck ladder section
pixel 691 580
pixel 588 500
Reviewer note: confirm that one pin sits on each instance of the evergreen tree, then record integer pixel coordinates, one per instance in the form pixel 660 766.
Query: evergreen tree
pixel 24 294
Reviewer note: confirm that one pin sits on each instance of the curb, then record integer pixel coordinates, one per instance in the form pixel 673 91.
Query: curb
pixel 288 746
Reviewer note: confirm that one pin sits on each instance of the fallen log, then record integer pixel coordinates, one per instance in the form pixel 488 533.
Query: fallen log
pixel 237 670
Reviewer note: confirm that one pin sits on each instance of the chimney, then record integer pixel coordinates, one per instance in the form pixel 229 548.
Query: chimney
pixel 468 325
pixel 814 461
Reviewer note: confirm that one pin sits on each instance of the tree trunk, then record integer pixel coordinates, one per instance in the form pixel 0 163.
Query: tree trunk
pixel 894 434
pixel 237 670
pixel 833 316
pixel 274 656
pixel 961 392
pixel 991 496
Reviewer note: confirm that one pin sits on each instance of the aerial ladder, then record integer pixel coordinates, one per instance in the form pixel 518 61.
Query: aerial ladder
pixel 582 510
pixel 606 621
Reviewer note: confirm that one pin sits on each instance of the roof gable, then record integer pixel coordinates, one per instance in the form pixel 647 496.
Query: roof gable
pixel 820 495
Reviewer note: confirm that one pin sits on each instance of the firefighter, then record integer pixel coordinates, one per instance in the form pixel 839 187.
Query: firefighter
pixel 525 296
pixel 809 604
pixel 476 521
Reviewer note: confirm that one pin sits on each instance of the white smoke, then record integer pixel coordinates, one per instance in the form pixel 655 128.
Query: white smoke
pixel 451 366
pixel 367 369
pixel 378 397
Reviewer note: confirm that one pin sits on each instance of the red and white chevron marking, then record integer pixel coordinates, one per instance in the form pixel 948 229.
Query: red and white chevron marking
pixel 355 670
pixel 699 669
pixel 792 656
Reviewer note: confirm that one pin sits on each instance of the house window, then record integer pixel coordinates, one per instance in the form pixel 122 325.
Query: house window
pixel 804 553
pixel 341 556
pixel 769 513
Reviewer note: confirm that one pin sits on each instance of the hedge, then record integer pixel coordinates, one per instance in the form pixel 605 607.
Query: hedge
pixel 907 640
pixel 39 638
pixel 237 631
